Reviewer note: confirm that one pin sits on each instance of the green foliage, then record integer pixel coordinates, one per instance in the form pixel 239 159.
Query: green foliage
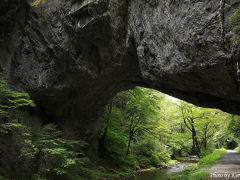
pixel 10 99
pixel 152 128
pixel 131 127
pixel 48 152
pixel 179 144
pixel 211 158
pixel 183 175
pixel 13 125
pixel 116 146
pixel 200 172
pixel 49 155
pixel 13 132
pixel 96 173
pixel 37 177
pixel 237 149
pixel 235 18
pixel 202 124
pixel 53 154
pixel 191 174
pixel 10 103
pixel 234 126
pixel 141 129
pixel 205 152
pixel 150 152
pixel 198 175
pixel 235 22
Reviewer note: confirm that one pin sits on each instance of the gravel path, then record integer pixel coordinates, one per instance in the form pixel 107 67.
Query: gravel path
pixel 227 167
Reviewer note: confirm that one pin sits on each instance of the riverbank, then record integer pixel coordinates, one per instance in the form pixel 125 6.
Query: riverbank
pixel 133 174
pixel 165 171
pixel 201 170
pixel 105 175
pixel 184 169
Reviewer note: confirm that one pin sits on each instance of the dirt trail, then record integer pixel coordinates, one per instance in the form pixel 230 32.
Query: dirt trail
pixel 227 167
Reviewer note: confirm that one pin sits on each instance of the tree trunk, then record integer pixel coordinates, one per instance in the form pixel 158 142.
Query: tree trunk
pixel 195 141
pixel 129 143
pixel 102 139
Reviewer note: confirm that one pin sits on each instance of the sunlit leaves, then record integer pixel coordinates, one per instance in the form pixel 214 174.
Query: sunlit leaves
pixel 59 154
pixel 10 99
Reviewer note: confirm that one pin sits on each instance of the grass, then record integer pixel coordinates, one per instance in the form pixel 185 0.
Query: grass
pixel 95 173
pixel 181 158
pixel 201 171
pixel 198 175
pixel 172 161
pixel 237 149
pixel 191 174
pixel 211 158
pixel 153 168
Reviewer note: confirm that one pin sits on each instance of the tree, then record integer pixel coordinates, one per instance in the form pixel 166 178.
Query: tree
pixel 129 118
pixel 11 103
pixel 12 132
pixel 10 99
pixel 107 123
pixel 202 123
pixel 46 151
pixel 142 128
pixel 234 125
pixel 139 114
pixel 188 117
pixel 51 153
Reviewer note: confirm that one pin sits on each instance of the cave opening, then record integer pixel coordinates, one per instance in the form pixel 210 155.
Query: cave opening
pixel 145 129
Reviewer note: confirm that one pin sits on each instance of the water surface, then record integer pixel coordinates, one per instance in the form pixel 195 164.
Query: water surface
pixel 164 174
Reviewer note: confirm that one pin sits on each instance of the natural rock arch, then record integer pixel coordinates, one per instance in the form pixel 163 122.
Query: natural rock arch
pixel 73 56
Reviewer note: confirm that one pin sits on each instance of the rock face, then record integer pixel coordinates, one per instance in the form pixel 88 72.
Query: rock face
pixel 184 50
pixel 72 57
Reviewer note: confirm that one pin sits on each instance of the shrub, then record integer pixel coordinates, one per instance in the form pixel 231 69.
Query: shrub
pixel 52 154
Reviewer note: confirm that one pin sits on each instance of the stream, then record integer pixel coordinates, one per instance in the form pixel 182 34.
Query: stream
pixel 173 169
